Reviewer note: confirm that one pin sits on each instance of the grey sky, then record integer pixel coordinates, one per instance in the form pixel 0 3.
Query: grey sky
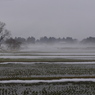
pixel 58 18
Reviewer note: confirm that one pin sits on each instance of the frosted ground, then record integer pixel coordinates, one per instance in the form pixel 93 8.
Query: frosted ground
pixel 54 88
pixel 49 78
pixel 53 51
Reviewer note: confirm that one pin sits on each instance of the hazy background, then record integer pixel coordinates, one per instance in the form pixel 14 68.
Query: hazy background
pixel 57 18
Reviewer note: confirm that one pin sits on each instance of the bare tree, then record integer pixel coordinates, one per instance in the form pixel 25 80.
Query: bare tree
pixel 13 44
pixel 3 32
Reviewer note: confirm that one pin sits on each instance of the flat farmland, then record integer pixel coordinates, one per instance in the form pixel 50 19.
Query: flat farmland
pixel 39 71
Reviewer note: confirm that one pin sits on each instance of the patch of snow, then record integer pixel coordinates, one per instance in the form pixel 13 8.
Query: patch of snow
pixel 49 81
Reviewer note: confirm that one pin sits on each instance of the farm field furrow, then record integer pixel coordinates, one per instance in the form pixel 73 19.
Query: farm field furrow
pixel 48 57
pixel 56 88
pixel 46 71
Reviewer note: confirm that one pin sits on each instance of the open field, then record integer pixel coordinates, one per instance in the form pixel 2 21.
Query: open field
pixel 46 71
pixel 47 64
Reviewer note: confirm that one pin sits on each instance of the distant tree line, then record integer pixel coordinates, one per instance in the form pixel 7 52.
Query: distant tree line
pixel 47 40
pixel 15 43
pixel 50 40
pixel 89 40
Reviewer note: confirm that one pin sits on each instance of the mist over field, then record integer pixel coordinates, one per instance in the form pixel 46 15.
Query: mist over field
pixel 61 48
pixel 47 48
pixel 51 44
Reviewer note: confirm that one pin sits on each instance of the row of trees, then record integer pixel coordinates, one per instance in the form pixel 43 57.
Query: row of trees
pixel 33 40
pixel 89 40
pixel 53 40
pixel 15 43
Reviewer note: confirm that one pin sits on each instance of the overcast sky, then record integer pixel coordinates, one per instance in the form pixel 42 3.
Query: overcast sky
pixel 57 18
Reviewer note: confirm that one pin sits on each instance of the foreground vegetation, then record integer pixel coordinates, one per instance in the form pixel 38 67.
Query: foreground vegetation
pixel 61 88
pixel 45 71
